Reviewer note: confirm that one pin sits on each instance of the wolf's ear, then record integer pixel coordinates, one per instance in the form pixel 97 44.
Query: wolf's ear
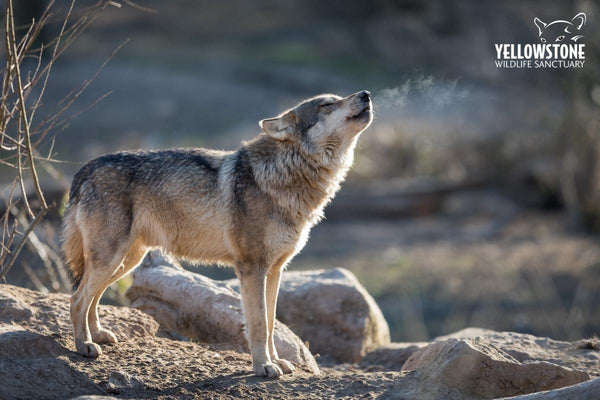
pixel 541 25
pixel 280 128
pixel 579 20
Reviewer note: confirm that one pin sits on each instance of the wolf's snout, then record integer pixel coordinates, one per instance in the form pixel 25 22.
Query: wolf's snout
pixel 364 95
pixel 360 106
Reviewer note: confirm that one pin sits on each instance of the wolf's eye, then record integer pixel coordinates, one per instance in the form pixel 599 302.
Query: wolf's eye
pixel 560 38
pixel 543 40
pixel 324 105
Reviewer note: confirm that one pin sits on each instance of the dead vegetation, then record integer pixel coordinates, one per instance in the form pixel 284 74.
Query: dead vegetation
pixel 27 134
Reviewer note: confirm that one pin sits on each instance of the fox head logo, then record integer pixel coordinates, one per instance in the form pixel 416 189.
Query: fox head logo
pixel 560 30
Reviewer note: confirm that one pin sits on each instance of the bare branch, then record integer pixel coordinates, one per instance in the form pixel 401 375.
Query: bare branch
pixel 19 139
pixel 13 49
pixel 15 253
pixel 51 62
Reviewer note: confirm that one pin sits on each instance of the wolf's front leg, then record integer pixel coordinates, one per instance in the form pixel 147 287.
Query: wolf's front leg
pixel 273 281
pixel 252 284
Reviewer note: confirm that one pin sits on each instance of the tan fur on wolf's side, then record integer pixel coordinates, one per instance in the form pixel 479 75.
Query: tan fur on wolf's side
pixel 252 209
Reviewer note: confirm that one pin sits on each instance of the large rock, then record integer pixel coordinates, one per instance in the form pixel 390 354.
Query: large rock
pixel 497 364
pixel 332 311
pixel 391 357
pixel 200 308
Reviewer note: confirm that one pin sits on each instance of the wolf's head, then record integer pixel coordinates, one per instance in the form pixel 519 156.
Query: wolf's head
pixel 323 125
pixel 559 30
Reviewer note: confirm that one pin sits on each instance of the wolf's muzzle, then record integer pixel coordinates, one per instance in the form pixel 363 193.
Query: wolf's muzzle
pixel 361 105
pixel 364 95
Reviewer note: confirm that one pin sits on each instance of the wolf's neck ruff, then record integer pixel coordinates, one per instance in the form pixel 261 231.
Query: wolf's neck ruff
pixel 298 183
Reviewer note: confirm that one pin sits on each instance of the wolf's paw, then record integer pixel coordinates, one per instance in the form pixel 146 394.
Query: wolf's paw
pixel 268 369
pixel 286 366
pixel 88 349
pixel 104 336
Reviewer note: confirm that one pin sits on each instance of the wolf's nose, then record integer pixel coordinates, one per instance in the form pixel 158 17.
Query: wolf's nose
pixel 364 95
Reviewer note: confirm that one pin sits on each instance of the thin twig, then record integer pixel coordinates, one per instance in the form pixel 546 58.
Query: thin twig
pixel 53 121
pixel 51 62
pixel 141 8
pixel 22 181
pixel 36 182
pixel 15 253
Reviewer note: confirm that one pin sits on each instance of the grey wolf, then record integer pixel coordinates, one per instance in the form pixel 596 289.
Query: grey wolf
pixel 560 31
pixel 251 209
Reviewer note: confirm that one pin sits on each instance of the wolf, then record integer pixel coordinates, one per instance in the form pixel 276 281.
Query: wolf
pixel 560 31
pixel 251 209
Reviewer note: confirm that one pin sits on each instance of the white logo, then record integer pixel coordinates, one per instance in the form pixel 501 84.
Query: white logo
pixel 560 31
pixel 559 47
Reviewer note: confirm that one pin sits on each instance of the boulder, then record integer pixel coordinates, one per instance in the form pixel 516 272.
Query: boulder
pixel 391 357
pixel 332 311
pixel 200 308
pixel 495 365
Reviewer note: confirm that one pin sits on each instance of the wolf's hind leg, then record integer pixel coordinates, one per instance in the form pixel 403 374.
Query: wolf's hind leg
pixel 81 300
pixel 133 258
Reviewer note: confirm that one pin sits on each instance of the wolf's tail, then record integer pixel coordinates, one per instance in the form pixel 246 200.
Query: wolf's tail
pixel 73 246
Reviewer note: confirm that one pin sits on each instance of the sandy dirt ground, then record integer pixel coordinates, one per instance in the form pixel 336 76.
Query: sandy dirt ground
pixel 36 349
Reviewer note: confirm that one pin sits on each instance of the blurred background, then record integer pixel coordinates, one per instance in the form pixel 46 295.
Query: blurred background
pixel 475 195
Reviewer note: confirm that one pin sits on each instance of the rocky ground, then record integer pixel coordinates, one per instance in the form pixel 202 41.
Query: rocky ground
pixel 37 361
